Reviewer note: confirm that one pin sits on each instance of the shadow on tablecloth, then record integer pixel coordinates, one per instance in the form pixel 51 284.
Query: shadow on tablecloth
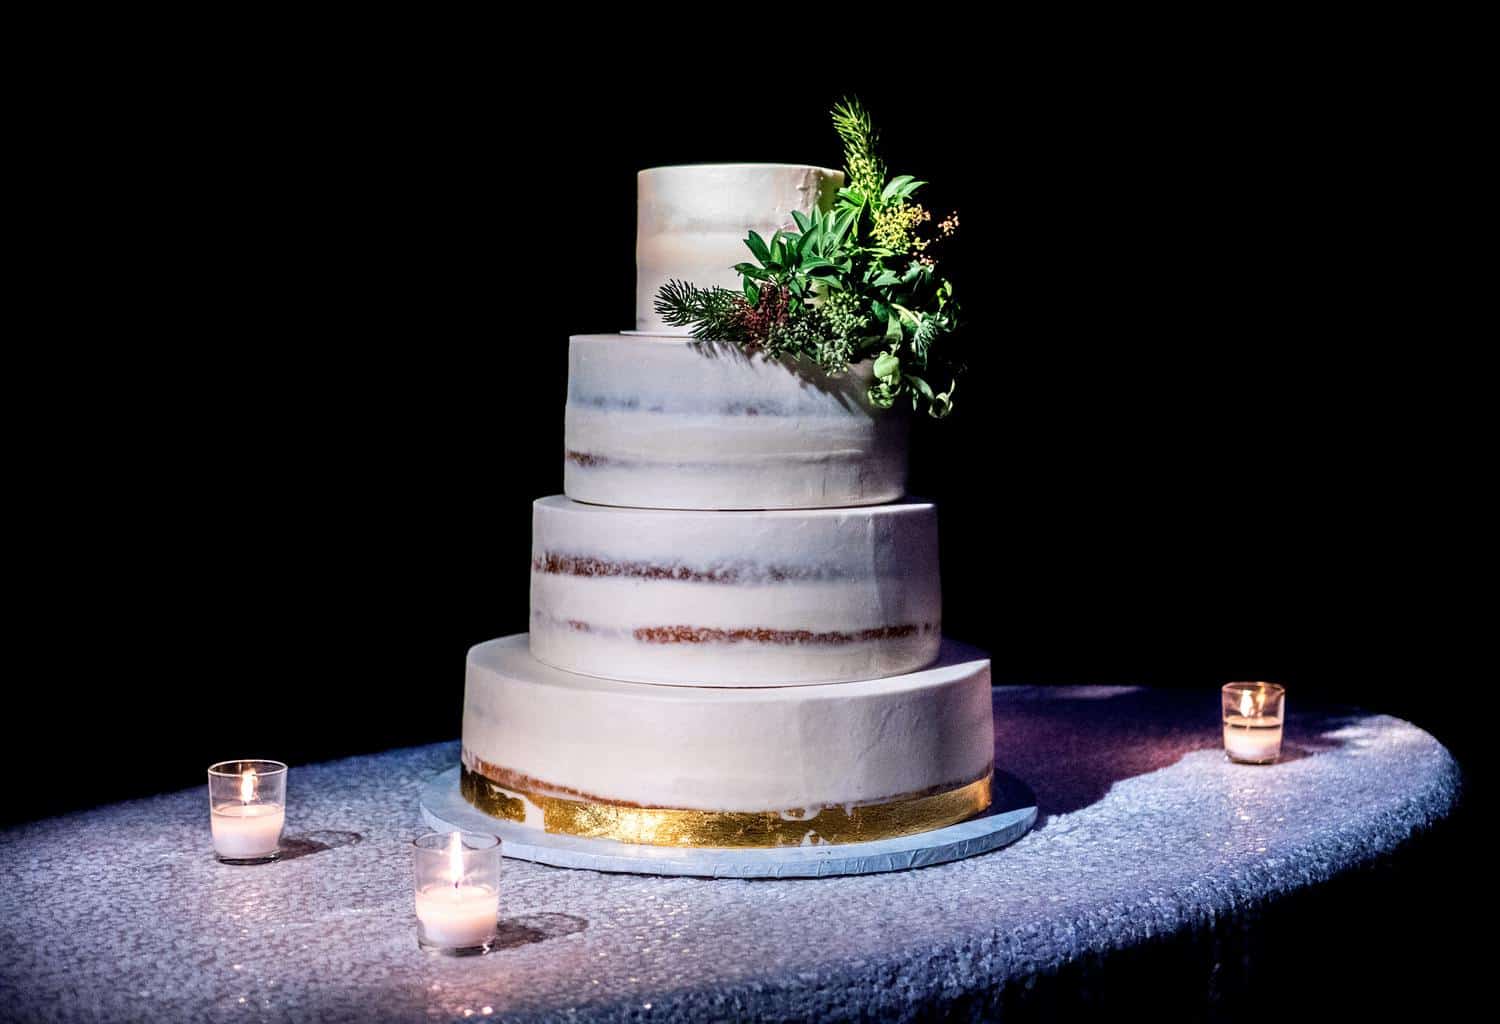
pixel 1071 744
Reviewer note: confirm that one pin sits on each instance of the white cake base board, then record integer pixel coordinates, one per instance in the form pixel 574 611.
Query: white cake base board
pixel 445 809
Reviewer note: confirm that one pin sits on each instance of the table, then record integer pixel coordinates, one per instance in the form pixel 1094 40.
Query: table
pixel 1145 830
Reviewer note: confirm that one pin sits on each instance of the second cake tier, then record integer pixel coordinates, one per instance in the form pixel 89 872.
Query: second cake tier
pixel 768 598
pixel 658 422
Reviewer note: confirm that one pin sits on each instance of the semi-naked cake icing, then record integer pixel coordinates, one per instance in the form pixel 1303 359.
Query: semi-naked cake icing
pixel 735 598
pixel 735 618
pixel 762 767
pixel 673 423
pixel 691 222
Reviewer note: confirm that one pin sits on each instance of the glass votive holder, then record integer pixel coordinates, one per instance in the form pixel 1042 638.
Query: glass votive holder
pixel 457 891
pixel 1253 717
pixel 247 809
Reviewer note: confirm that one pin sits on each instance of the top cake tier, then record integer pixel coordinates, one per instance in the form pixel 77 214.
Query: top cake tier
pixel 691 222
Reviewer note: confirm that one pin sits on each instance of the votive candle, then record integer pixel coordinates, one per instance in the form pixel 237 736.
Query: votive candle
pixel 247 810
pixel 1254 715
pixel 457 891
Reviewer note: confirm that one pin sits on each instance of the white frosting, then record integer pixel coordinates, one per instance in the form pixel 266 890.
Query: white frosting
pixel 693 598
pixel 729 750
pixel 671 423
pixel 691 222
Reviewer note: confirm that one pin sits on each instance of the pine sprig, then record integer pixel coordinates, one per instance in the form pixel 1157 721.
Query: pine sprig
pixel 712 313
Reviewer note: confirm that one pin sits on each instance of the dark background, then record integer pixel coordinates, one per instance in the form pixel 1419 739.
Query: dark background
pixel 279 479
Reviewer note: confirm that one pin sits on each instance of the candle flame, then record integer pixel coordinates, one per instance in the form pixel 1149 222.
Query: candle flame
pixel 247 785
pixel 456 857
pixel 1247 704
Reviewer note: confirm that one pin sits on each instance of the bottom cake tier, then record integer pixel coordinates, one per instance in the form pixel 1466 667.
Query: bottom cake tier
pixel 707 766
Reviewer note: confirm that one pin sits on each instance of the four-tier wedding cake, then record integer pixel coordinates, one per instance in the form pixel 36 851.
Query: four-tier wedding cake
pixel 735 612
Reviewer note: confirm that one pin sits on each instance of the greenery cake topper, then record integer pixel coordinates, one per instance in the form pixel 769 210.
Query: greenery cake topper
pixel 858 282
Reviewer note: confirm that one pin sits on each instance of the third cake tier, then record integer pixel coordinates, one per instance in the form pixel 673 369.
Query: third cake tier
pixel 766 598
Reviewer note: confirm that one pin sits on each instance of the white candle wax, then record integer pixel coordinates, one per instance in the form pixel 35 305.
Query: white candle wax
pixel 457 916
pixel 247 831
pixel 1252 738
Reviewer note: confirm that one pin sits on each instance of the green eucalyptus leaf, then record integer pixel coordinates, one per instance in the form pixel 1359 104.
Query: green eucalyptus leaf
pixel 894 185
pixel 842 224
pixel 757 246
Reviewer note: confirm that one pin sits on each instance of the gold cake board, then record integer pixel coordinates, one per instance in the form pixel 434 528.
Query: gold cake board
pixel 1011 814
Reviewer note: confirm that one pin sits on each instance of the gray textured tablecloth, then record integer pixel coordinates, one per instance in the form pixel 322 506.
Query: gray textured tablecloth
pixel 1145 829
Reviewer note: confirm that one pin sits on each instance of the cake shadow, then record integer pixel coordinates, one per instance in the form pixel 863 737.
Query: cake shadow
pixel 308 843
pixel 529 929
pixel 841 387
pixel 1008 793
pixel 1071 748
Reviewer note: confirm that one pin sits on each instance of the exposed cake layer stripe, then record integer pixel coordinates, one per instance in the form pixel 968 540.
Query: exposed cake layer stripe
pixel 710 634
pixel 706 635
pixel 584 565
pixel 725 464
